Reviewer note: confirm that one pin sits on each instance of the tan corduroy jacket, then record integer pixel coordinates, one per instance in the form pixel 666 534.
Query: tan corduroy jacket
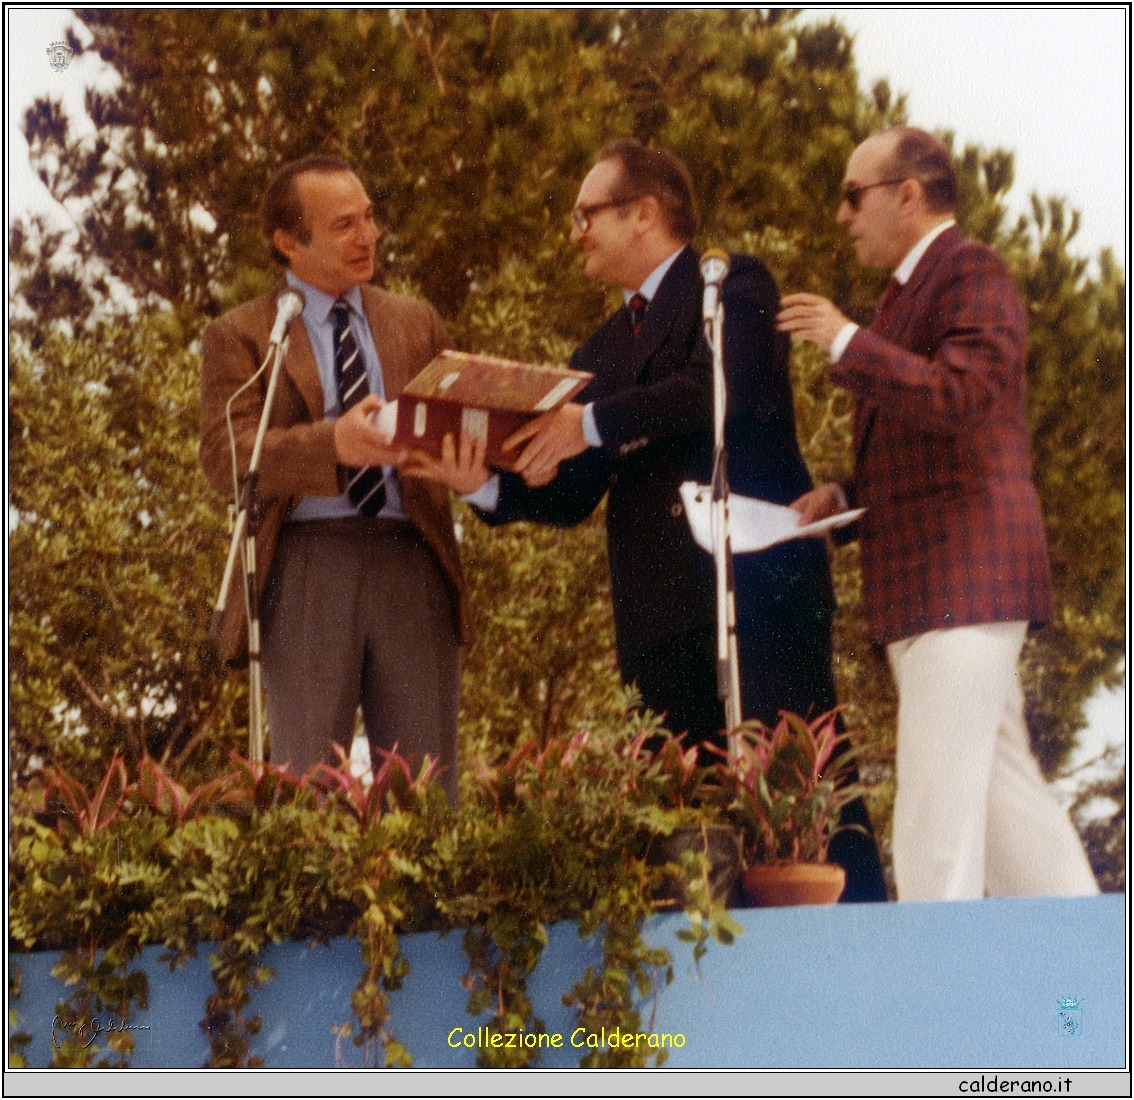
pixel 298 457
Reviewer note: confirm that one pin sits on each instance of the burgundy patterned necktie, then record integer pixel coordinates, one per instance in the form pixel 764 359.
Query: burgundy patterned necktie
pixel 885 306
pixel 637 306
pixel 366 488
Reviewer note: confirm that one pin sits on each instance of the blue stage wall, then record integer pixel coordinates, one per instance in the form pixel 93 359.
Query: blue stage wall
pixel 944 985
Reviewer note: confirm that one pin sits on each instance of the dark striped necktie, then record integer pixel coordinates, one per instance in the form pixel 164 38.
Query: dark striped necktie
pixel 366 488
pixel 637 306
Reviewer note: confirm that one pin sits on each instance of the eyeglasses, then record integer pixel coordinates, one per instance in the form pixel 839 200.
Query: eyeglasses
pixel 582 215
pixel 853 195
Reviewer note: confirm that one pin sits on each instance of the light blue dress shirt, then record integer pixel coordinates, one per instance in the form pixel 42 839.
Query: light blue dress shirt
pixel 648 289
pixel 319 323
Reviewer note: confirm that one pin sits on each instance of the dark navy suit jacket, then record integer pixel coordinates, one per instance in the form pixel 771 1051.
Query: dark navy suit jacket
pixel 653 409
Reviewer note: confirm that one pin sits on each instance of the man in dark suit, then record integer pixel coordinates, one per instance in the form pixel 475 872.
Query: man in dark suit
pixel 954 562
pixel 641 428
pixel 363 600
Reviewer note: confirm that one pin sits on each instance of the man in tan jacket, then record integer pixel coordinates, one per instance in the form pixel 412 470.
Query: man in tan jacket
pixel 362 597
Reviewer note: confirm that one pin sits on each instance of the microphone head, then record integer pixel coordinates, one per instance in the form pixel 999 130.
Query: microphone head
pixel 715 264
pixel 290 303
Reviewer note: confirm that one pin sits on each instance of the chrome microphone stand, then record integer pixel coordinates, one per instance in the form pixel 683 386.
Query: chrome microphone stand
pixel 714 267
pixel 244 545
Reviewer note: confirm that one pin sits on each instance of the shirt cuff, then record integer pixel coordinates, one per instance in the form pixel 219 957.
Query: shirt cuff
pixel 842 338
pixel 590 428
pixel 487 497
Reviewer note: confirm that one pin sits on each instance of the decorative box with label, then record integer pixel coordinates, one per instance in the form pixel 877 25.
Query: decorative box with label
pixel 486 397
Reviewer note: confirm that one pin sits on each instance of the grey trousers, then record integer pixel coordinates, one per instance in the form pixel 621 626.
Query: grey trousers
pixel 357 611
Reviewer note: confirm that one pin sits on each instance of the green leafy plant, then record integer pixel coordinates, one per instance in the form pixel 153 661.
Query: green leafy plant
pixel 17 1039
pixel 559 830
pixel 252 857
pixel 785 787
pixel 73 891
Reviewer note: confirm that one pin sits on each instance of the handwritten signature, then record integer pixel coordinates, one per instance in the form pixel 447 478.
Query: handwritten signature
pixel 89 1030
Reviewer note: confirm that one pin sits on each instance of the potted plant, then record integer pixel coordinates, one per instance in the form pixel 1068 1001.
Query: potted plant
pixel 690 831
pixel 785 789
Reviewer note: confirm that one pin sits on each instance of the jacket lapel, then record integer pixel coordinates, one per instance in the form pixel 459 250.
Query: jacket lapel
pixel 902 318
pixel 390 341
pixel 905 311
pixel 300 366
pixel 665 310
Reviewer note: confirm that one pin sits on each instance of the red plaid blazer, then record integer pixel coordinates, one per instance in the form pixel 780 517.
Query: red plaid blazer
pixel 953 533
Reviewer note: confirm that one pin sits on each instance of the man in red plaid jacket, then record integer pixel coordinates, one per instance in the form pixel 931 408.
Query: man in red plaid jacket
pixel 954 562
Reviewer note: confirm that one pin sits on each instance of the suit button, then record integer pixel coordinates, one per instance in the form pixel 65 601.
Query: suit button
pixel 614 478
pixel 675 509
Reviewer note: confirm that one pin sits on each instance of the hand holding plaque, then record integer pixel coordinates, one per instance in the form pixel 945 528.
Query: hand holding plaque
pixel 480 396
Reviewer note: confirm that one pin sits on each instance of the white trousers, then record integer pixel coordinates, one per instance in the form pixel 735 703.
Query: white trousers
pixel 973 814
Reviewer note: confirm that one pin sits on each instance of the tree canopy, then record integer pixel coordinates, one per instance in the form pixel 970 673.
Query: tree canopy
pixel 473 129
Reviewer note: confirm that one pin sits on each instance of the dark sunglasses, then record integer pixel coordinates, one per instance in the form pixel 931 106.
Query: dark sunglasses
pixel 853 195
pixel 582 215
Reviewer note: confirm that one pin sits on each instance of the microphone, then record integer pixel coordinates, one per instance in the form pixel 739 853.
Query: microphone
pixel 714 267
pixel 289 305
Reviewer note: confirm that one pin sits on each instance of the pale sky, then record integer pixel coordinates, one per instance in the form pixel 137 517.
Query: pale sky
pixel 1047 83
pixel 1050 84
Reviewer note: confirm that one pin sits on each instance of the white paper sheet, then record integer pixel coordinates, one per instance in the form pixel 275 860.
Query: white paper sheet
pixel 753 524
pixel 386 419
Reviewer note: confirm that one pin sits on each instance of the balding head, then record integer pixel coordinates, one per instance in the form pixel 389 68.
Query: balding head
pixel 899 184
pixel 918 155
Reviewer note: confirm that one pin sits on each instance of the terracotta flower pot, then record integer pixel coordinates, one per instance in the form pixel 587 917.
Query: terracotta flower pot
pixel 767 885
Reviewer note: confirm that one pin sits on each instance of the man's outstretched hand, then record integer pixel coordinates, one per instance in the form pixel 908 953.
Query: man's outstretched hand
pixel 553 437
pixel 359 442
pixel 811 318
pixel 818 504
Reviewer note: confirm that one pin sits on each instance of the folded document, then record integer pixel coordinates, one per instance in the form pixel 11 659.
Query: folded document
pixel 752 524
